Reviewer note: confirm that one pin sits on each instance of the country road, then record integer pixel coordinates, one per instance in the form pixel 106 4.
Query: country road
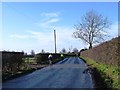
pixel 67 73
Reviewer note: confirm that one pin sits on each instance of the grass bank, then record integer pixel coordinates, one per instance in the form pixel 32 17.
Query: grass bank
pixel 109 74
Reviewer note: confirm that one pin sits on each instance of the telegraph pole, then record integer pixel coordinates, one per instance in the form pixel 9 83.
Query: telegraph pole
pixel 55 41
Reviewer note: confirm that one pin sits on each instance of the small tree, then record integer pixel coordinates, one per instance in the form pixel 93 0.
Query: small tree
pixel 92 27
pixel 63 50
pixel 75 50
pixel 32 52
pixel 42 51
pixel 70 49
pixel 22 51
pixel 25 53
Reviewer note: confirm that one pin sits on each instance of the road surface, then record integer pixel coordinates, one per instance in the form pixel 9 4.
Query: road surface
pixel 67 73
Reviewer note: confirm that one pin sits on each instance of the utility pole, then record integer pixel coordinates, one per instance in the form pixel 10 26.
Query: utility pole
pixel 55 40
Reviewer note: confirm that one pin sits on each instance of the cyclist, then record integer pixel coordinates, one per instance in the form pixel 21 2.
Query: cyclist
pixel 61 56
pixel 50 59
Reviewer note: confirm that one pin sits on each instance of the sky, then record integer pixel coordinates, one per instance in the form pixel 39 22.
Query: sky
pixel 29 25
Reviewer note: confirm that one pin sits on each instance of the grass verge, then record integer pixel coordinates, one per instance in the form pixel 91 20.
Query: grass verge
pixel 109 74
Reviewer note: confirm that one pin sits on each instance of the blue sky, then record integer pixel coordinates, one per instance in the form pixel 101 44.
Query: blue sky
pixel 30 25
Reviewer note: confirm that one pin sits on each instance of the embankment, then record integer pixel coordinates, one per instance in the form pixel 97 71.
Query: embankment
pixel 107 52
pixel 105 59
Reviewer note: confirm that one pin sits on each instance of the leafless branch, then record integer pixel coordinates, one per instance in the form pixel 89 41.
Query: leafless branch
pixel 92 27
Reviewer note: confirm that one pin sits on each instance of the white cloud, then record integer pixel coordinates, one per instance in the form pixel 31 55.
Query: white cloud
pixel 42 37
pixel 47 23
pixel 52 20
pixel 48 19
pixel 51 14
pixel 45 40
pixel 20 36
pixel 113 31
pixel 65 39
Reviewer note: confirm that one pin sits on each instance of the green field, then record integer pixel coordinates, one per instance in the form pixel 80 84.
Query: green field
pixel 30 60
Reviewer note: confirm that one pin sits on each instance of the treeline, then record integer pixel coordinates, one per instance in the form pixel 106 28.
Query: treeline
pixel 42 58
pixel 15 61
pixel 107 52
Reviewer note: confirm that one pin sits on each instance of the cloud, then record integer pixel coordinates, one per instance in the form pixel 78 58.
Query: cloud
pixel 113 31
pixel 51 14
pixel 47 23
pixel 48 19
pixel 64 39
pixel 20 36
pixel 52 20
pixel 44 39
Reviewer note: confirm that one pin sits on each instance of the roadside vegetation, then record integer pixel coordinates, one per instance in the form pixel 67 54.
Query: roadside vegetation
pixel 29 65
pixel 109 74
pixel 23 70
pixel 11 75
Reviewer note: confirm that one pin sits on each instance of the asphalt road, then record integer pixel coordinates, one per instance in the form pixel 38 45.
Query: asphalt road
pixel 67 73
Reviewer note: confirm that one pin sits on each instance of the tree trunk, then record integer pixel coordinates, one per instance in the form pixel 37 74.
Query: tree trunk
pixel 90 46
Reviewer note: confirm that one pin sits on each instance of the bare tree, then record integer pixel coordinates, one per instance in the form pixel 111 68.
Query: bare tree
pixel 25 53
pixel 32 52
pixel 42 51
pixel 75 50
pixel 92 27
pixel 70 49
pixel 63 50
